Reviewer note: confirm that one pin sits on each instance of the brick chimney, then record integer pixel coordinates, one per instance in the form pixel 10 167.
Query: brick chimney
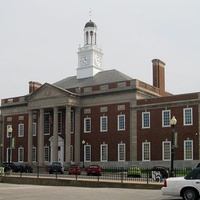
pixel 34 86
pixel 159 75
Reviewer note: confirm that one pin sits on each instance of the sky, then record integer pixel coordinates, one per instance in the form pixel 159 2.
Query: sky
pixel 39 40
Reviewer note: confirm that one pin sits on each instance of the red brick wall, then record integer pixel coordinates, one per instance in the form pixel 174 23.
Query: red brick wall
pixel 112 137
pixel 156 134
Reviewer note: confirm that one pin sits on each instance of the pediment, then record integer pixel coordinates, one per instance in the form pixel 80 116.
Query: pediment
pixel 48 91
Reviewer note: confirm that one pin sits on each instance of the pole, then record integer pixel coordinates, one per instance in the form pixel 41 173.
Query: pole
pixel 172 153
pixel 9 148
pixel 1 153
pixel 83 157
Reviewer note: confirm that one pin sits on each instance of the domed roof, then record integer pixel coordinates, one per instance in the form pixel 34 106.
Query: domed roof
pixel 90 24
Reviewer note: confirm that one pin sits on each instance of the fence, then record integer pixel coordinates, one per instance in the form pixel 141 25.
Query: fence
pixel 144 175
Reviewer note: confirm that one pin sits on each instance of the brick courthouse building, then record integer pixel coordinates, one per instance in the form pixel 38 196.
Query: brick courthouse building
pixel 101 116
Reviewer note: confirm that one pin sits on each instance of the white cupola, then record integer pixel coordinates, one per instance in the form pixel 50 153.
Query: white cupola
pixel 90 55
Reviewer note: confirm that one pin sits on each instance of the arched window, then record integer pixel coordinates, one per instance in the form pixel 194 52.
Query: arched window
pixel 95 38
pixel 91 35
pixel 87 37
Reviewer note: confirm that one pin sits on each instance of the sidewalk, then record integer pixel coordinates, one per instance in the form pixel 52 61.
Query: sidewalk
pixel 61 181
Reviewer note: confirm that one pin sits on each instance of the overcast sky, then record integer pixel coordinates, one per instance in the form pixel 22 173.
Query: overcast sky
pixel 39 40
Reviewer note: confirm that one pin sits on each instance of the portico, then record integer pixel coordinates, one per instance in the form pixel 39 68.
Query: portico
pixel 54 118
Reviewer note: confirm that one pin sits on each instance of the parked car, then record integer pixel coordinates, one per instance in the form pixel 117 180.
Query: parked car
pixel 197 165
pixel 163 171
pixel 187 187
pixel 75 169
pixel 23 167
pixel 94 170
pixel 134 171
pixel 9 166
pixel 19 168
pixel 56 167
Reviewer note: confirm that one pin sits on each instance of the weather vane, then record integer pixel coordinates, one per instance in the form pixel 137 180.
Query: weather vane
pixel 90 13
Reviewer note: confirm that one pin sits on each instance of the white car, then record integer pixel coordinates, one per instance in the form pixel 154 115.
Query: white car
pixel 187 187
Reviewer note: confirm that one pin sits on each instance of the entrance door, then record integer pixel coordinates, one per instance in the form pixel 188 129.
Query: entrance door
pixel 60 149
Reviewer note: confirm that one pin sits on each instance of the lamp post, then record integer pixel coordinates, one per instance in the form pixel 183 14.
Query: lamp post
pixel 1 153
pixel 9 145
pixel 173 122
pixel 83 143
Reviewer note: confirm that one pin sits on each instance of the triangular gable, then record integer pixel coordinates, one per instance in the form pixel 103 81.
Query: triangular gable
pixel 48 91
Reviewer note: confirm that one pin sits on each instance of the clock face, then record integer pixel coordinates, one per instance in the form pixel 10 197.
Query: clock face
pixel 97 60
pixel 84 60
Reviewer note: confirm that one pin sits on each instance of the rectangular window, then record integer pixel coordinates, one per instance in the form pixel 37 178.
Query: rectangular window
pixel 71 153
pixel 104 152
pixel 166 150
pixel 166 116
pixel 34 154
pixel 146 120
pixel 46 123
pixel 188 118
pixel 121 152
pixel 46 154
pixel 87 125
pixel 121 122
pixel 20 130
pixel 87 153
pixel 188 150
pixel 59 122
pixel 103 124
pixel 146 151
pixel 72 121
pixel 34 129
pixel 20 154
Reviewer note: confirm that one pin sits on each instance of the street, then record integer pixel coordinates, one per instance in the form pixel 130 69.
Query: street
pixel 37 192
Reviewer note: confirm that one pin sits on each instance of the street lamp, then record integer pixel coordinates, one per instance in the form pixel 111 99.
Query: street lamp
pixel 9 145
pixel 1 153
pixel 83 143
pixel 173 122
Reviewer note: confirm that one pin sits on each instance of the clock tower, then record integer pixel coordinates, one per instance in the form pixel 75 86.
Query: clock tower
pixel 90 55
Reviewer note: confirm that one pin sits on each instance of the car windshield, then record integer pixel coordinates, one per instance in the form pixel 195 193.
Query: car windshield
pixel 74 166
pixel 93 166
pixel 194 174
pixel 56 163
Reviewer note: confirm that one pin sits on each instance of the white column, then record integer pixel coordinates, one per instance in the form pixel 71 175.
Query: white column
pixel 40 148
pixel 67 133
pixel 30 136
pixel 55 134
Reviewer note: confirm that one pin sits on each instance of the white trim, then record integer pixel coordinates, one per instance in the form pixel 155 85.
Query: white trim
pixel 124 153
pixel 149 151
pixel 143 120
pixel 163 117
pixel 106 152
pixel 118 123
pixel 163 150
pixel 101 123
pixel 184 117
pixel 192 147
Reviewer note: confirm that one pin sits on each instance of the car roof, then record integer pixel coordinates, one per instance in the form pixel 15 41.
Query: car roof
pixel 9 163
pixel 93 165
pixel 74 165
pixel 56 162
